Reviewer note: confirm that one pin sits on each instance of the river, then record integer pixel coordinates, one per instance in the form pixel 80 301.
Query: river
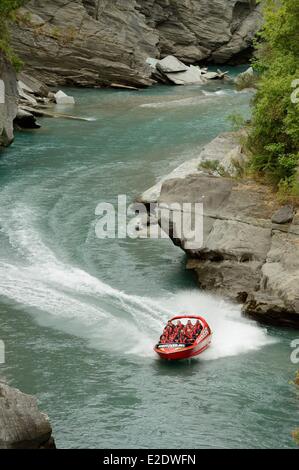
pixel 79 315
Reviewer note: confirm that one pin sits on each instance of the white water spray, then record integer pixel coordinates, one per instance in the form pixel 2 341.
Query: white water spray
pixel 70 299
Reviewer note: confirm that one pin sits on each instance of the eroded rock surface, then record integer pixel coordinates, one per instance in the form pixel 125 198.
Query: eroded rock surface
pixel 245 254
pixel 22 425
pixel 99 42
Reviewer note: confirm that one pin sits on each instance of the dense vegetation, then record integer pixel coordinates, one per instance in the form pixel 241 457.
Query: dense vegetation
pixel 274 137
pixel 7 14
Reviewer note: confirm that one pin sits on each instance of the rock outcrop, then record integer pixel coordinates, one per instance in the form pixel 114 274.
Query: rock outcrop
pixel 250 247
pixel 196 30
pixel 99 42
pixel 22 425
pixel 85 43
pixel 8 101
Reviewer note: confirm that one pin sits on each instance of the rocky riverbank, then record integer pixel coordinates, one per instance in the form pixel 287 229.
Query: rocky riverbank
pixel 250 249
pixel 91 43
pixel 23 98
pixel 22 425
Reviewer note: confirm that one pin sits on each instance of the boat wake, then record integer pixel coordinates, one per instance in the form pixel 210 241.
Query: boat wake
pixel 69 299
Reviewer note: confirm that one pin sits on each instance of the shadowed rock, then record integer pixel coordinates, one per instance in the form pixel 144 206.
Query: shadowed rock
pixel 25 120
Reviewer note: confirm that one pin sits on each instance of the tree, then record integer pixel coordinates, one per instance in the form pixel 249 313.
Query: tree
pixel 274 138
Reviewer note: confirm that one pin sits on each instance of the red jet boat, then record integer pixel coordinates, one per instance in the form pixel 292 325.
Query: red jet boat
pixel 174 351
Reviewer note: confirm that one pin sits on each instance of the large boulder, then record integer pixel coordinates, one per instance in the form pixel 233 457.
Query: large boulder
pixel 95 42
pixel 171 64
pixel 22 425
pixel 191 76
pixel 64 99
pixel 283 215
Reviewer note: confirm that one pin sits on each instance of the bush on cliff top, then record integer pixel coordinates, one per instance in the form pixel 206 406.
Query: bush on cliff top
pixel 274 138
pixel 7 15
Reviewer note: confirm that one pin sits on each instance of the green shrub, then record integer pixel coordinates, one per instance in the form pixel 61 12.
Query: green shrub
pixel 246 80
pixel 237 121
pixel 7 15
pixel 212 166
pixel 274 137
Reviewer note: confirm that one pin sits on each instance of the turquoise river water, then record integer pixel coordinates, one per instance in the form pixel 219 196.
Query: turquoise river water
pixel 79 316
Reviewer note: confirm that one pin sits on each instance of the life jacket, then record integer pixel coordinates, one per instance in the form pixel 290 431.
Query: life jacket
pixel 175 331
pixel 181 337
pixel 188 332
pixel 166 330
pixel 197 328
pixel 172 336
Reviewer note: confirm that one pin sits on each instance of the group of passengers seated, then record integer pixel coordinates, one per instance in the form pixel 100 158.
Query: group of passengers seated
pixel 179 333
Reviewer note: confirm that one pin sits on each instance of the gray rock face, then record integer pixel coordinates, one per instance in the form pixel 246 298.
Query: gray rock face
pixel 283 215
pixel 34 85
pixel 99 42
pixel 22 425
pixel 243 255
pixel 8 101
pixel 193 30
pixel 85 43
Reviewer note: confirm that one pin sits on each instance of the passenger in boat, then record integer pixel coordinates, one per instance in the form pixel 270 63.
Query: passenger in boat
pixel 181 336
pixel 188 330
pixel 163 339
pixel 166 334
pixel 168 330
pixel 189 333
pixel 177 329
pixel 197 328
pixel 179 332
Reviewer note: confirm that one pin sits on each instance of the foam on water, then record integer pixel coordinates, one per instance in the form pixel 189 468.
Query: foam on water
pixel 232 333
pixel 68 298
pixel 194 100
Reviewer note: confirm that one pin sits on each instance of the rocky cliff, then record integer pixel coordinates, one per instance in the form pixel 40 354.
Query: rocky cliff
pixel 99 42
pixel 250 247
pixel 22 425
pixel 8 101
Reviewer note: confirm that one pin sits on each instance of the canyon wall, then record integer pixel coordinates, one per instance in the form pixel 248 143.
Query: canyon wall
pixel 99 42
